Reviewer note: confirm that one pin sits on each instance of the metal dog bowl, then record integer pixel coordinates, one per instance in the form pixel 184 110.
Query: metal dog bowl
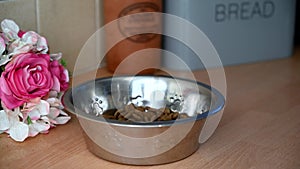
pixel 143 142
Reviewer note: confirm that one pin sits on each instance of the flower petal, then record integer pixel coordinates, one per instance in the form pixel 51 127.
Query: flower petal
pixel 4 122
pixel 54 112
pixel 43 108
pixel 13 115
pixel 34 114
pixel 62 119
pixel 4 59
pixel 18 47
pixel 52 94
pixel 42 45
pixel 32 131
pixel 54 102
pixel 31 37
pixel 3 36
pixel 19 131
pixel 38 127
pixel 63 113
pixel 56 56
pixel 2 45
pixel 34 39
pixel 10 28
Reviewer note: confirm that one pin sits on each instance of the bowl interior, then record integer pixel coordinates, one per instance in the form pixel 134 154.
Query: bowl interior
pixel 93 98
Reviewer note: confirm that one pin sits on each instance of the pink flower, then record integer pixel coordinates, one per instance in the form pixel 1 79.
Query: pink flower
pixel 60 76
pixel 25 78
pixel 30 85
pixel 21 33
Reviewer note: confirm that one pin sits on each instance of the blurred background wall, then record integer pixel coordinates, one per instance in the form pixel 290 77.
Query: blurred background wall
pixel 67 24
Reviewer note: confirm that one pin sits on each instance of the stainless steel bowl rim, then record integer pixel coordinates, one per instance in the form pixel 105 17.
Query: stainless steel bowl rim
pixel 217 107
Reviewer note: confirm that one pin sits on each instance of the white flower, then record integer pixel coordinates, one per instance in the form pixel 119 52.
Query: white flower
pixel 37 116
pixel 4 122
pixel 57 115
pixel 56 56
pixel 34 120
pixel 55 102
pixel 18 131
pixel 36 41
pixel 10 123
pixel 10 29
pixel 30 41
pixel 3 58
pixel 41 109
pixel 2 46
pixel 37 124
pixel 18 47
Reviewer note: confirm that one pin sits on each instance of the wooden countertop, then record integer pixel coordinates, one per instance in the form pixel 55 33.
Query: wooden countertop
pixel 260 128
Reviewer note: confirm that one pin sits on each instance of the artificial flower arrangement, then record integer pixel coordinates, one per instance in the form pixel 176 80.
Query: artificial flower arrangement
pixel 31 84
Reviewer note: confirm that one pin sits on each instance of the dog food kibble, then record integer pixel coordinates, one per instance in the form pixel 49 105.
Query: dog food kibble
pixel 132 113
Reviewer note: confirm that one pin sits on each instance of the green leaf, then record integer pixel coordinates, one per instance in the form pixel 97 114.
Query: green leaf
pixel 29 120
pixel 63 63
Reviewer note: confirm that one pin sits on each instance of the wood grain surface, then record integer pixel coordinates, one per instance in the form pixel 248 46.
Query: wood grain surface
pixel 260 128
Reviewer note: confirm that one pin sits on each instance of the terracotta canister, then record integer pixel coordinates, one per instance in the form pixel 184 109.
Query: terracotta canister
pixel 127 25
